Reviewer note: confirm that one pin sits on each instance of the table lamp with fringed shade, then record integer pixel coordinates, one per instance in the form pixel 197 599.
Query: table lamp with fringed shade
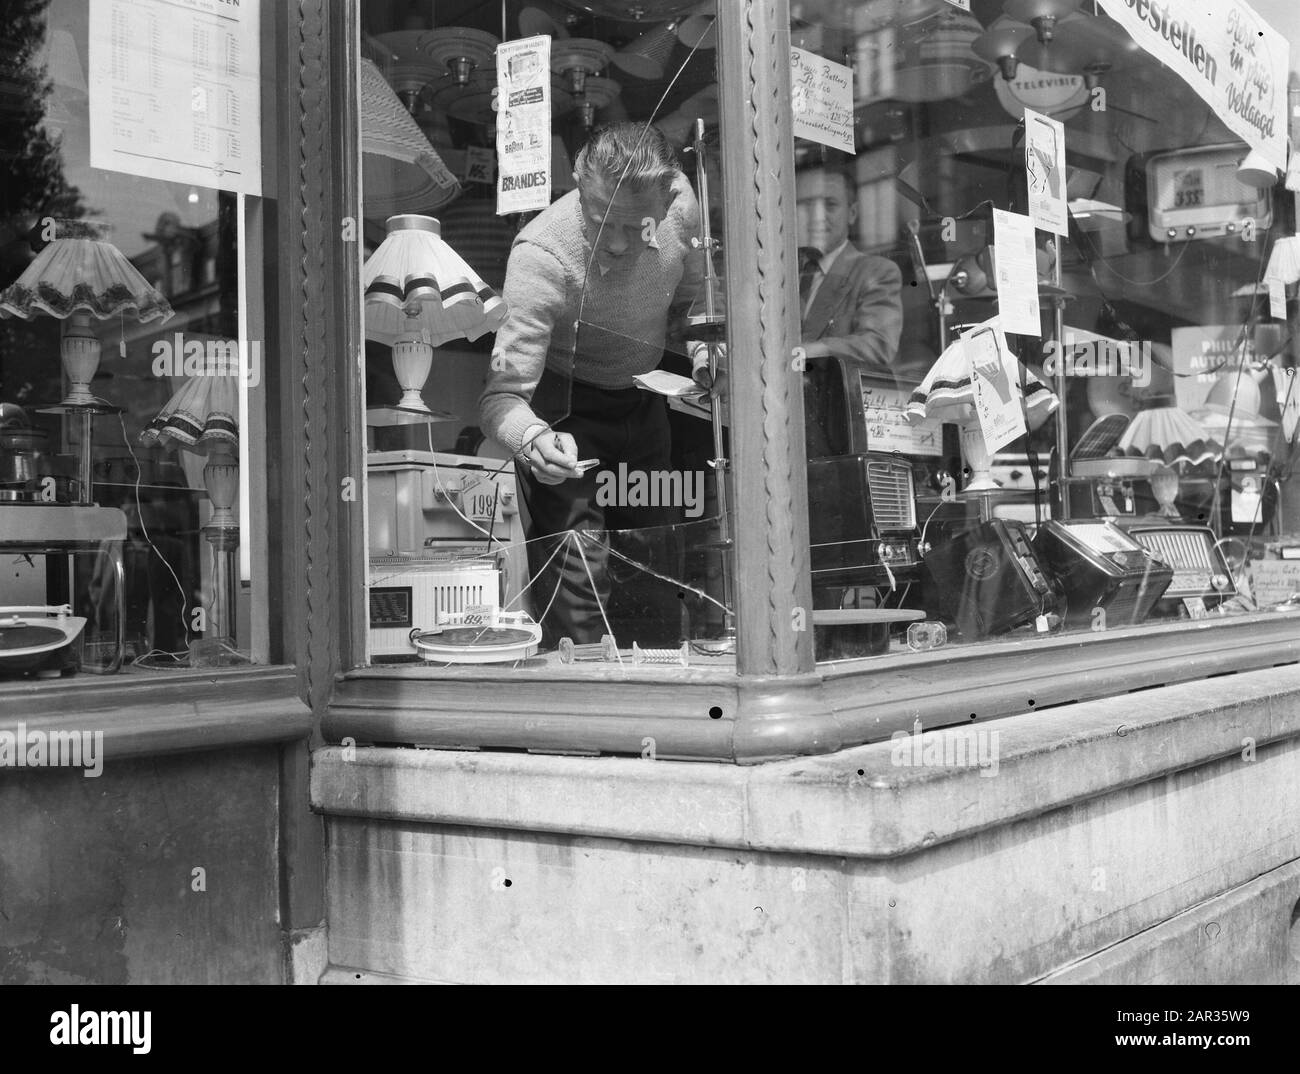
pixel 80 278
pixel 947 394
pixel 419 294
pixel 203 418
pixel 1170 437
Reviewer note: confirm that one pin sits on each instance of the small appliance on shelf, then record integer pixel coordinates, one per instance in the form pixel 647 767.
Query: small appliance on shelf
pixel 479 636
pixel 39 640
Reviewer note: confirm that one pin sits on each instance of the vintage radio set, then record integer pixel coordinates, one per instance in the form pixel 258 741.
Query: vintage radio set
pixel 862 520
pixel 1098 566
pixel 409 593
pixel 1193 193
pixel 1202 578
pixel 445 534
pixel 985 577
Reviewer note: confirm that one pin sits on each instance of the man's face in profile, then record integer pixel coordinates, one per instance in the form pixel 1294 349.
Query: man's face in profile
pixel 619 225
pixel 826 209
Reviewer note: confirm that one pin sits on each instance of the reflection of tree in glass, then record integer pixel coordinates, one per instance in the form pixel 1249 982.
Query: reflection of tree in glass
pixel 34 186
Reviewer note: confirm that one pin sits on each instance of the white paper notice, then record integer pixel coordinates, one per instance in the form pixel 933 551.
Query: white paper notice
pixel 1017 273
pixel 1276 299
pixel 1045 167
pixel 963 4
pixel 997 401
pixel 821 95
pixel 175 91
pixel 524 125
pixel 888 429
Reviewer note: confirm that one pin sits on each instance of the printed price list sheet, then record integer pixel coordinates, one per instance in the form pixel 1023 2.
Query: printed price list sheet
pixel 175 91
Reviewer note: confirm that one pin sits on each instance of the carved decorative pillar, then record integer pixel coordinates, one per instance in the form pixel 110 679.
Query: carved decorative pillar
pixel 773 587
pixel 318 513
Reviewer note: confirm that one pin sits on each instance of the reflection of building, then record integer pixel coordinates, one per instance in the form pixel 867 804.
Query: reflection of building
pixel 182 262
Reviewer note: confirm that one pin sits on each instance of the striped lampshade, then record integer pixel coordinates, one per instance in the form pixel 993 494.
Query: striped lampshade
pixel 416 283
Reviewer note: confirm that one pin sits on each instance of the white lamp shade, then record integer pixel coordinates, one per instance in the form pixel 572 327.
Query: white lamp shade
pixel 203 416
pixel 1168 435
pixel 1256 171
pixel 82 274
pixel 416 284
pixel 947 393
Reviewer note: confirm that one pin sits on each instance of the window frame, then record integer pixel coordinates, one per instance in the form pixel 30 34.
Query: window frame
pixel 211 707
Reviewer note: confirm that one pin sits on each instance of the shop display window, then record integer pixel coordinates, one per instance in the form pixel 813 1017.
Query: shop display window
pixel 1044 279
pixel 1053 391
pixel 543 273
pixel 133 339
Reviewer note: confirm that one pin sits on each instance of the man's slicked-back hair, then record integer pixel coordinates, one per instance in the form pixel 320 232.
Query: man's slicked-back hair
pixel 635 156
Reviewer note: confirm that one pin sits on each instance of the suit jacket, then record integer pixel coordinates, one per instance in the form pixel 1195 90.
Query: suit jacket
pixel 858 313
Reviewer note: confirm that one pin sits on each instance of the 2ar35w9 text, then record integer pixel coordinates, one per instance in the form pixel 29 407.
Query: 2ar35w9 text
pixel 1148 1017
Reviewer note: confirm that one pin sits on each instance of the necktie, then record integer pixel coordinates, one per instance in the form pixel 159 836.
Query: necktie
pixel 810 263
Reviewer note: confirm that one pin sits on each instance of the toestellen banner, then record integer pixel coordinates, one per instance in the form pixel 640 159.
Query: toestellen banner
pixel 1227 54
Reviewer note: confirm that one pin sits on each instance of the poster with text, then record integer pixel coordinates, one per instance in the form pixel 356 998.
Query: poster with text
pixel 1234 60
pixel 1017 273
pixel 524 125
pixel 821 96
pixel 175 91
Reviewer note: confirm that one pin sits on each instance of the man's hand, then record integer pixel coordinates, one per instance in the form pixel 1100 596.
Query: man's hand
pixel 552 456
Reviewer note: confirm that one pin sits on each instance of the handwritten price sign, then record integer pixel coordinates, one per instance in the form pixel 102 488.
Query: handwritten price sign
pixel 889 430
pixel 821 96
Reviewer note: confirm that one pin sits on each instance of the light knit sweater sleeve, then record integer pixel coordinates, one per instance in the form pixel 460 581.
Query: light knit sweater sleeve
pixel 535 294
pixel 688 297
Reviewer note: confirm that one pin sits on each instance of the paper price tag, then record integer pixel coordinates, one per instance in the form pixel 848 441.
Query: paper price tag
pixel 1276 298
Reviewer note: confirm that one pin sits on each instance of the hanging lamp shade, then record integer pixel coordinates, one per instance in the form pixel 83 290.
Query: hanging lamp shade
pixel 935 60
pixel 416 282
pixel 1043 15
pixel 1168 435
pixel 647 56
pixel 1001 44
pixel 420 179
pixel 534 20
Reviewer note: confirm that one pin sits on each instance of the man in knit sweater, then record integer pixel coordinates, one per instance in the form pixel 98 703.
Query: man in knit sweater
pixel 595 284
